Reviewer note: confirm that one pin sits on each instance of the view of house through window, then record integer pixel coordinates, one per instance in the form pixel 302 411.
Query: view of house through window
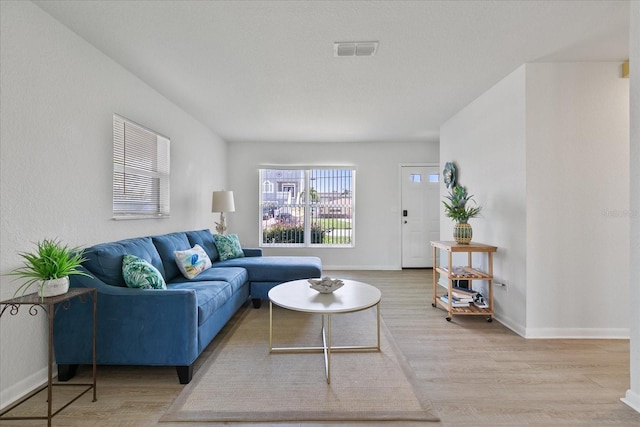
pixel 307 207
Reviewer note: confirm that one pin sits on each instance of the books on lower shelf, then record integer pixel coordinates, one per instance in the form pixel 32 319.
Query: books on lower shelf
pixel 454 302
pixel 463 297
pixel 463 294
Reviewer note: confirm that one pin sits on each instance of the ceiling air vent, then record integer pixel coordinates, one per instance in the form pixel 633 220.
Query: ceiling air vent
pixel 355 48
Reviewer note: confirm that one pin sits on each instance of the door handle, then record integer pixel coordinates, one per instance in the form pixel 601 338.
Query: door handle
pixel 405 213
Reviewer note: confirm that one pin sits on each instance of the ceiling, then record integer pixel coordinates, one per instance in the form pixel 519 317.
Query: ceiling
pixel 266 70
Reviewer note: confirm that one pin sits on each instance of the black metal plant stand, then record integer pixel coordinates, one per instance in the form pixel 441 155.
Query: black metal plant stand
pixel 51 305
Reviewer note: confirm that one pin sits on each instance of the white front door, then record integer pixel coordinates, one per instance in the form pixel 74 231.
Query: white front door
pixel 420 214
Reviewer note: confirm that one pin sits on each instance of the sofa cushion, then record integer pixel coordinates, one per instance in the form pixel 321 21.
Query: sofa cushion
pixel 105 259
pixel 276 269
pixel 139 273
pixel 204 238
pixel 167 244
pixel 210 295
pixel 192 262
pixel 236 276
pixel 228 246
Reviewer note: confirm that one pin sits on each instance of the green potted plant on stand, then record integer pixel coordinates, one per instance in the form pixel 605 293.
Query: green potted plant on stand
pixel 456 208
pixel 49 266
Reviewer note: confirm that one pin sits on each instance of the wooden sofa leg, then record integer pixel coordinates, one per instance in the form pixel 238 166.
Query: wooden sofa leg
pixel 257 302
pixel 185 373
pixel 66 372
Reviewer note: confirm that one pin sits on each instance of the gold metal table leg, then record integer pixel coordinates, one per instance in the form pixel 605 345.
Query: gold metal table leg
pixel 270 327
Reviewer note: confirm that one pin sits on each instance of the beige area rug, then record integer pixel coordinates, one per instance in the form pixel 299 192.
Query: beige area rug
pixel 242 382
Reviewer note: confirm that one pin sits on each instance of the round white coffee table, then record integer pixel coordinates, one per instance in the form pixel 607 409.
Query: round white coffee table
pixel 298 296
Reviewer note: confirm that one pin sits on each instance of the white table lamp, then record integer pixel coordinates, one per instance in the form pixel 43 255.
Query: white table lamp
pixel 222 201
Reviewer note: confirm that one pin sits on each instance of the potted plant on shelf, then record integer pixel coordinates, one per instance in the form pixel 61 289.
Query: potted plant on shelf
pixel 49 266
pixel 456 208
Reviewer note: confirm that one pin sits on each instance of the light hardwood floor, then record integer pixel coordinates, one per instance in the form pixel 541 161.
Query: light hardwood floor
pixel 477 373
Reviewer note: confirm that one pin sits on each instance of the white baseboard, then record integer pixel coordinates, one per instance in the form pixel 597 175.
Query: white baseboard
pixel 17 391
pixel 511 325
pixel 578 333
pixel 632 399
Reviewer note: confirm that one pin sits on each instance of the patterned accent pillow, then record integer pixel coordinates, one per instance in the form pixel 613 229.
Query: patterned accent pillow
pixel 228 246
pixel 139 273
pixel 192 261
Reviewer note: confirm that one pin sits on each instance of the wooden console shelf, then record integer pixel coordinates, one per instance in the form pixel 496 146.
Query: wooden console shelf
pixel 467 272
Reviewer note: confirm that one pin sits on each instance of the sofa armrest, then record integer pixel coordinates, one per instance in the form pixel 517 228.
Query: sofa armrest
pixel 135 326
pixel 251 252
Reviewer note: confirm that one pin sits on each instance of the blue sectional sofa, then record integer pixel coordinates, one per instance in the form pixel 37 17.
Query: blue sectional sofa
pixel 164 327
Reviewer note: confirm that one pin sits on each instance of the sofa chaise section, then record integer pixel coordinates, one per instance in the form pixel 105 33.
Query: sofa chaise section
pixel 264 272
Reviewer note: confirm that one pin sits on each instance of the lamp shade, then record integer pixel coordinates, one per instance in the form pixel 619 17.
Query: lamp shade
pixel 222 201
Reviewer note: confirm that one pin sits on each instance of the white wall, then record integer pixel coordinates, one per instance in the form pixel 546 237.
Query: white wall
pixel 577 200
pixel 377 216
pixel 486 141
pixel 632 397
pixel 545 152
pixel 58 95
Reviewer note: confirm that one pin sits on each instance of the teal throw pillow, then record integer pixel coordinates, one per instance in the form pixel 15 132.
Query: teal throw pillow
pixel 192 262
pixel 139 273
pixel 228 246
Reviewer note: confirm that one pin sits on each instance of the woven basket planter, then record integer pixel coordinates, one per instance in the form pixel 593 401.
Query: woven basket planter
pixel 462 233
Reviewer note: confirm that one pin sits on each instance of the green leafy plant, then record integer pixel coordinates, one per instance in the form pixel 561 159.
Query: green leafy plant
pixel 51 260
pixel 291 234
pixel 456 208
pixel 313 194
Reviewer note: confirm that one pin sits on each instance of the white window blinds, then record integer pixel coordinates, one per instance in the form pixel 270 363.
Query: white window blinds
pixel 140 171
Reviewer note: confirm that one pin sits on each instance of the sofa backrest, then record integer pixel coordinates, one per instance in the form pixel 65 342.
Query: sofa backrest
pixel 166 245
pixel 105 259
pixel 204 238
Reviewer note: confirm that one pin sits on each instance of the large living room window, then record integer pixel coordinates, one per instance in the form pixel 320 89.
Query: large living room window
pixel 307 207
pixel 140 171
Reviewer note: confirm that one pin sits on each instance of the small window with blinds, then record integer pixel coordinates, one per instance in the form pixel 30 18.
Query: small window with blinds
pixel 140 171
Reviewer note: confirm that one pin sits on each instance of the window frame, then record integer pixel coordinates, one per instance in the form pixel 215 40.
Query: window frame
pixel 310 209
pixel 141 171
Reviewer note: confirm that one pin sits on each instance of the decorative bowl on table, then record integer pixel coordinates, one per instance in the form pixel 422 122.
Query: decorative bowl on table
pixel 326 285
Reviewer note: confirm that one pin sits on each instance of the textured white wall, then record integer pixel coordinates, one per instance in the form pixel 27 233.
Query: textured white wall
pixel 632 397
pixel 58 94
pixel 577 200
pixel 378 218
pixel 486 140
